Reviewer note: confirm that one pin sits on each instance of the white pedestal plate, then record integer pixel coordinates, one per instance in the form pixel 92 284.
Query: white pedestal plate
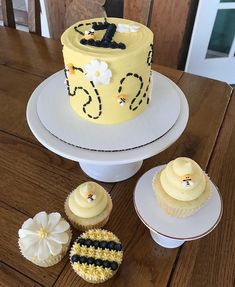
pixel 168 231
pixel 60 130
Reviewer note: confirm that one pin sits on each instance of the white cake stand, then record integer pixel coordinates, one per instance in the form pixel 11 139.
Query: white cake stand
pixel 101 165
pixel 166 230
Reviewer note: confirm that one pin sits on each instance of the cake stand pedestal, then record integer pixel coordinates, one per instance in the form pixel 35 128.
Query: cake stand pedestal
pixel 111 173
pixel 102 165
pixel 168 231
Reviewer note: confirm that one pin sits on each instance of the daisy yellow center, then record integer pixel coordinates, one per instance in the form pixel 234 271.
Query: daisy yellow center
pixel 42 232
pixel 96 73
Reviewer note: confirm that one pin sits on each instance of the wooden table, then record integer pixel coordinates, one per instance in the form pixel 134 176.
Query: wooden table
pixel 34 179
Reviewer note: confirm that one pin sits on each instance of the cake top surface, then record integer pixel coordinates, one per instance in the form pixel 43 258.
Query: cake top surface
pixel 88 200
pixel 96 254
pixel 183 179
pixel 126 36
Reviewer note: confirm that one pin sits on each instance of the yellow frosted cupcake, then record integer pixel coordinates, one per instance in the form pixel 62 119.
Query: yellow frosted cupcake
pixel 88 206
pixel 181 188
pixel 96 255
pixel 45 238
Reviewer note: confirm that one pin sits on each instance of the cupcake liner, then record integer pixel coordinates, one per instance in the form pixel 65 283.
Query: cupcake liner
pixel 84 224
pixel 171 205
pixel 51 260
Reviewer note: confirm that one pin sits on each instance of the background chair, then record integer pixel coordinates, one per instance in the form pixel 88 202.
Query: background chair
pixel 33 19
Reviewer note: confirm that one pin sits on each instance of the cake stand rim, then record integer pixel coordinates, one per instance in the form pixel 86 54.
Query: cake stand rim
pixel 111 158
pixel 69 127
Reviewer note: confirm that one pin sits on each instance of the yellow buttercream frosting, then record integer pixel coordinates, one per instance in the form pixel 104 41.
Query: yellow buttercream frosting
pixel 183 179
pixel 122 73
pixel 88 200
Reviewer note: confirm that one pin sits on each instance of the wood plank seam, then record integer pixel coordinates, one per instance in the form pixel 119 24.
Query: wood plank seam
pixel 20 70
pixel 18 271
pixel 222 124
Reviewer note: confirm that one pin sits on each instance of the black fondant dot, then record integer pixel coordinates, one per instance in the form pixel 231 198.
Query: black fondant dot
pixel 106 264
pixel 98 262
pixel 82 259
pixel 83 41
pixel 104 44
pixel 122 46
pixel 114 265
pixel 103 244
pixel 91 42
pixel 90 260
pixel 98 43
pixel 88 242
pixel 111 244
pixel 75 258
pixel 118 247
pixel 96 243
pixel 81 241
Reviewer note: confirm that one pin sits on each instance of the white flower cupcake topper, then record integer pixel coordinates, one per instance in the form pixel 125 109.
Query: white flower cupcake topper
pixel 125 28
pixel 43 235
pixel 98 72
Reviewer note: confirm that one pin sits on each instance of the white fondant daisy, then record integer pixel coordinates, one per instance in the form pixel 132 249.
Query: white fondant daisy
pixel 43 235
pixel 98 72
pixel 126 28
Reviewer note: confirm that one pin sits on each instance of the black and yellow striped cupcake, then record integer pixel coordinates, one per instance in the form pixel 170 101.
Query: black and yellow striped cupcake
pixel 96 255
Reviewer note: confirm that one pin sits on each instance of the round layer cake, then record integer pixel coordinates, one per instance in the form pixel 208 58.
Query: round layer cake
pixel 108 68
pixel 96 255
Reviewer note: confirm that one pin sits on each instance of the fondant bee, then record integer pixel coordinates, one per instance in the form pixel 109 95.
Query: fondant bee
pixel 187 180
pixel 91 197
pixel 89 34
pixel 121 100
pixel 70 69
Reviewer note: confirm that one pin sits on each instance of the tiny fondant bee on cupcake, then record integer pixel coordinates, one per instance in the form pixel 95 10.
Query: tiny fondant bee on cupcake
pixel 187 180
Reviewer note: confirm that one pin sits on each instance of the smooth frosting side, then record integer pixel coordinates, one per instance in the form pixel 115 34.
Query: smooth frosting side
pixel 79 202
pixel 123 73
pixel 171 179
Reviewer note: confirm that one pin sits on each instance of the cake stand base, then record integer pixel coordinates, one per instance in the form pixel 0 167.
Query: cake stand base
pixel 166 241
pixel 111 173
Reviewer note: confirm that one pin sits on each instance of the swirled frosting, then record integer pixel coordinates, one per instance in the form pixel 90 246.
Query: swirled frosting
pixel 183 179
pixel 88 200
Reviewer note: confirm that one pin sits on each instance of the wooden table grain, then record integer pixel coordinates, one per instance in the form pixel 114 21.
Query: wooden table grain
pixel 34 179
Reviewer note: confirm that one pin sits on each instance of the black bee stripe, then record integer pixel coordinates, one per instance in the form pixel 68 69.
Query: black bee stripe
pixel 111 245
pixel 92 261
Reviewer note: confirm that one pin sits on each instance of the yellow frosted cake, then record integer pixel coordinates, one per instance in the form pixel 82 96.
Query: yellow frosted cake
pixel 181 188
pixel 96 255
pixel 108 68
pixel 88 206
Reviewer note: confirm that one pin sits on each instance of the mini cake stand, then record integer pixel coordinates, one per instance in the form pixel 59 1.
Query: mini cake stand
pixel 168 231
pixel 101 165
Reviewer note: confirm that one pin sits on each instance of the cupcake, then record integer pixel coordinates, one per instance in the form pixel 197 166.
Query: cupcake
pixel 96 255
pixel 181 188
pixel 88 206
pixel 44 239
